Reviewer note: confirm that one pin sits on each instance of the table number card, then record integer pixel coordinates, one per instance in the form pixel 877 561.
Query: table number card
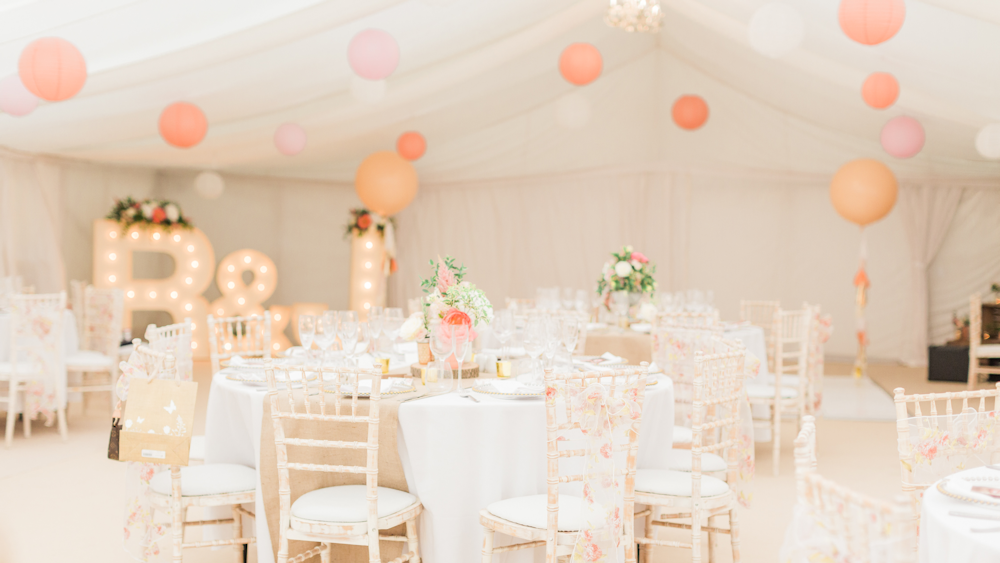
pixel 158 421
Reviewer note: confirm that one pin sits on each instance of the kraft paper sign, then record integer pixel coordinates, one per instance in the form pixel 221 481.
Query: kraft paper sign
pixel 158 420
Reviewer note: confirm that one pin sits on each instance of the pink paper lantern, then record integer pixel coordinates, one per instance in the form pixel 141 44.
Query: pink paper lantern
pixel 15 99
pixel 290 139
pixel 373 54
pixel 902 137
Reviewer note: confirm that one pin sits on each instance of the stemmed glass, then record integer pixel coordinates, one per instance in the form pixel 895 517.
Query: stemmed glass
pixel 568 298
pixel 620 304
pixel 307 332
pixel 392 321
pixel 460 339
pixel 347 329
pixel 569 333
pixel 442 346
pixel 551 339
pixel 375 325
pixel 326 332
pixel 362 339
pixel 503 329
pixel 534 339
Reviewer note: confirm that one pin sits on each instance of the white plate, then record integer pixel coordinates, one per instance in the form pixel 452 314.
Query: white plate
pixel 506 389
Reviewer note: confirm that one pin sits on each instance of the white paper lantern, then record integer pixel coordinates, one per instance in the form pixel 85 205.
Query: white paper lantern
pixel 573 111
pixel 775 30
pixel 988 141
pixel 367 91
pixel 209 185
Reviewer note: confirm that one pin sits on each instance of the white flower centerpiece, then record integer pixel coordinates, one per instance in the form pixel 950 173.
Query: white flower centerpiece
pixel 629 271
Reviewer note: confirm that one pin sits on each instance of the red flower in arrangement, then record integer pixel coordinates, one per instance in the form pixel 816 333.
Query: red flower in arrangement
pixel 159 215
pixel 639 257
pixel 455 317
pixel 364 221
pixel 393 266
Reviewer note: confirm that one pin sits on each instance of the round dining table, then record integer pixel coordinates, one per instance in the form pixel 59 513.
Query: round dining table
pixel 948 525
pixel 458 456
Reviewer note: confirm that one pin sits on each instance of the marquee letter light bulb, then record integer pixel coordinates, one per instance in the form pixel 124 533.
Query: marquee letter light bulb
pixel 238 297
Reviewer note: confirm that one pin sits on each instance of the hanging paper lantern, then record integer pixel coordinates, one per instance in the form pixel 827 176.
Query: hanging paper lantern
pixel 411 145
pixel 15 99
pixel 580 63
pixel 871 22
pixel 209 185
pixel 373 54
pixel 52 69
pixel 880 90
pixel 386 183
pixel 183 125
pixel 573 111
pixel 775 29
pixel 902 137
pixel 290 139
pixel 988 141
pixel 367 91
pixel 863 191
pixel 690 112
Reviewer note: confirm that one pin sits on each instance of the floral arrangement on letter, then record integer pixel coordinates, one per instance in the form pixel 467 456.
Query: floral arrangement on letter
pixel 449 299
pixel 627 271
pixel 129 212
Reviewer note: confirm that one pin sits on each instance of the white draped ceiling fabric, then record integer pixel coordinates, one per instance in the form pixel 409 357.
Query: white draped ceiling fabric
pixel 739 206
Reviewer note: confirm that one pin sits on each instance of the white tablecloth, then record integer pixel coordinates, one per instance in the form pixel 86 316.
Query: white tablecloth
pixel 458 456
pixel 948 538
pixel 70 341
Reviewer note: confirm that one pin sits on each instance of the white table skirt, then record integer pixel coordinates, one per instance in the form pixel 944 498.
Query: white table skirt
pixel 948 538
pixel 458 457
pixel 70 343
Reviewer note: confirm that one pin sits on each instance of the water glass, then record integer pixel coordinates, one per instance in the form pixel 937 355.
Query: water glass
pixel 326 331
pixel 568 298
pixel 569 334
pixel 503 329
pixel 392 321
pixel 307 331
pixel 438 377
pixel 375 324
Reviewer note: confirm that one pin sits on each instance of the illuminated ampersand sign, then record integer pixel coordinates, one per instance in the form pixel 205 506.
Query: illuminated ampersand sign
pixel 179 294
pixel 240 298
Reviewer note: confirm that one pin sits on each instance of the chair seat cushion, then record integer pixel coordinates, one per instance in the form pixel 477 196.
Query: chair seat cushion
pixel 767 391
pixel 532 511
pixel 988 351
pixel 680 460
pixel 197 448
pixel 682 435
pixel 213 479
pixel 348 504
pixel 786 380
pixel 676 483
pixel 23 368
pixel 86 360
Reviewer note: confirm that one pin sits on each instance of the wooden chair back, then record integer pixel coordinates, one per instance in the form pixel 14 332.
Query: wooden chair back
pixel 791 356
pixel 623 383
pixel 330 386
pixel 176 340
pixel 102 321
pixel 764 314
pixel 243 336
pixel 715 422
pixel 36 337
pixel 870 529
pixel 702 319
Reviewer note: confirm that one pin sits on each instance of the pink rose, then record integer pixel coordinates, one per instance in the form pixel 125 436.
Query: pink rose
pixel 639 257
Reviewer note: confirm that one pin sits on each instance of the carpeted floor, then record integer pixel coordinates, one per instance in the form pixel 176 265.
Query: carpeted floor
pixel 70 493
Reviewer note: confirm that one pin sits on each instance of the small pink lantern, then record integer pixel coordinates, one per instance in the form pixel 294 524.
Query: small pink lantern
pixel 15 99
pixel 290 139
pixel 373 54
pixel 902 137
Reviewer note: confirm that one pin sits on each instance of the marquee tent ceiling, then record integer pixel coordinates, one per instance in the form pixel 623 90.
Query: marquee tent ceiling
pixel 478 78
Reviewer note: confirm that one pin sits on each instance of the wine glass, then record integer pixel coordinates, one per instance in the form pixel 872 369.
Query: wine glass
pixel 568 298
pixel 551 339
pixel 362 338
pixel 326 331
pixel 569 333
pixel 503 329
pixel 375 325
pixel 441 343
pixel 460 336
pixel 534 338
pixel 392 321
pixel 307 332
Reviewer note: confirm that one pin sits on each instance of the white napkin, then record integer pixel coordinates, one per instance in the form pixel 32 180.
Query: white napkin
pixel 610 358
pixel 642 327
pixel 390 384
pixel 595 326
pixel 236 361
pixel 653 368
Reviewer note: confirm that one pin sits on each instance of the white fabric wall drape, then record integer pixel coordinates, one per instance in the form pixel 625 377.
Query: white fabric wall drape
pixel 31 216
pixel 926 212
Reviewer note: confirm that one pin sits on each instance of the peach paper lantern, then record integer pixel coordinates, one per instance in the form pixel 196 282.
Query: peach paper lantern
pixel 290 139
pixel 411 145
pixel 373 54
pixel 871 22
pixel 580 63
pixel 52 69
pixel 902 137
pixel 183 125
pixel 15 99
pixel 863 191
pixel 690 112
pixel 386 183
pixel 880 90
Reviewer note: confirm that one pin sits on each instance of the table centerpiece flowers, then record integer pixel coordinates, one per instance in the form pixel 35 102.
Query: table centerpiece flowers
pixel 629 271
